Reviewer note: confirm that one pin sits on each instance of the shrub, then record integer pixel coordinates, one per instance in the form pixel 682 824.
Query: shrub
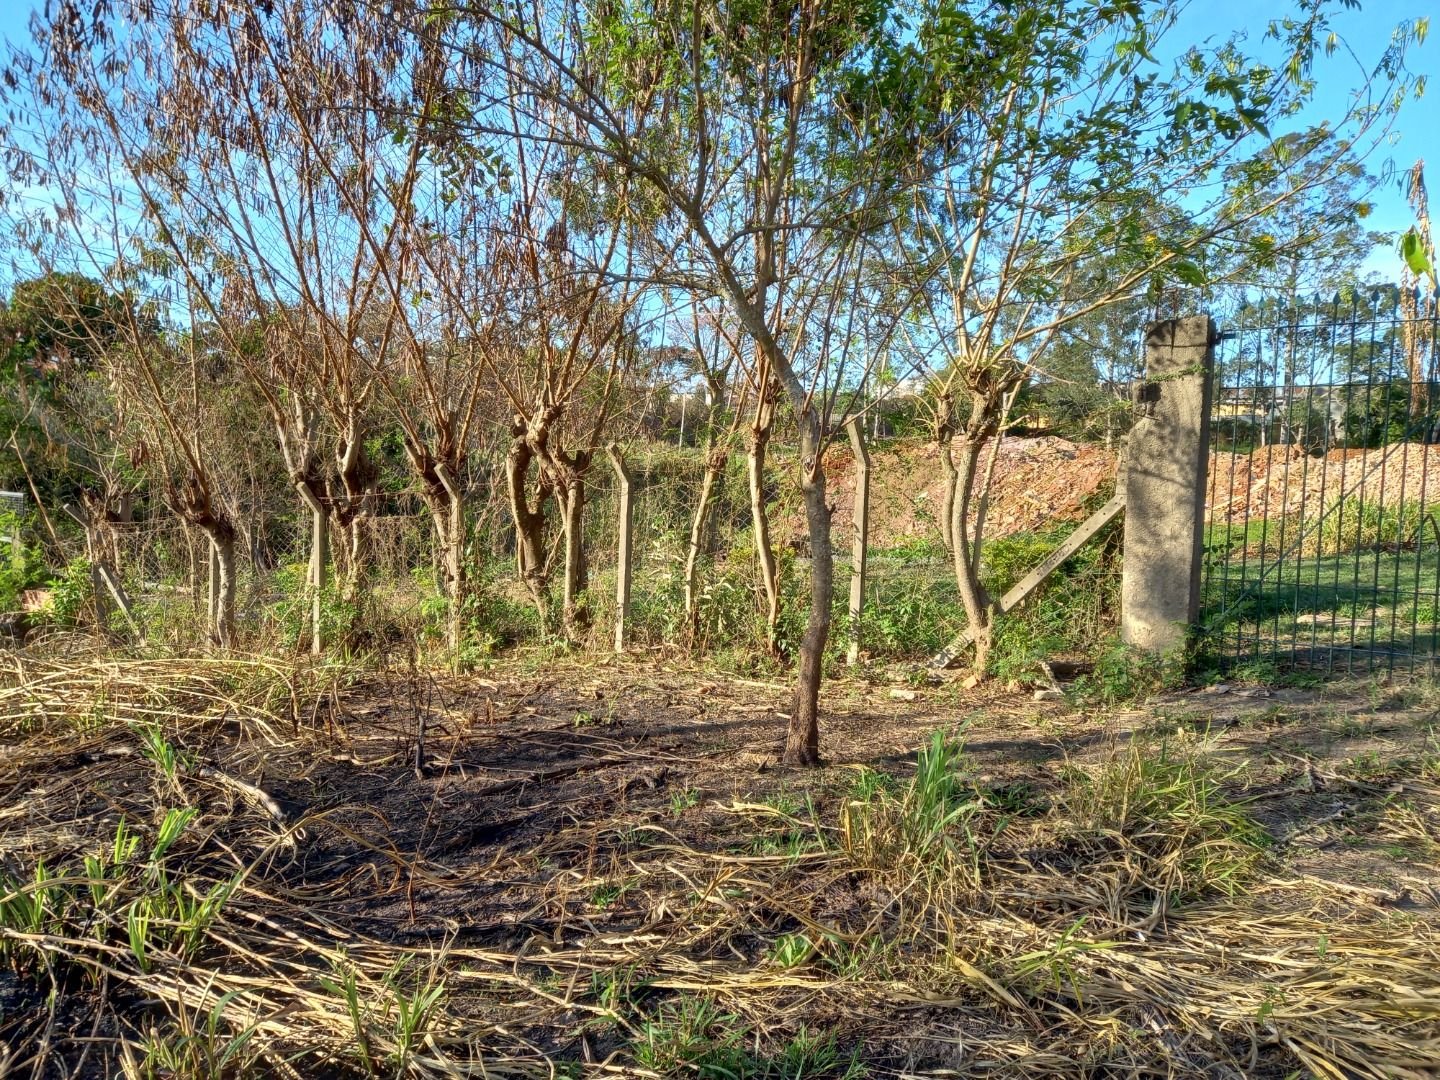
pixel 290 614
pixel 1122 675
pixel 1352 525
pixel 21 567
pixel 1179 834
pixel 71 593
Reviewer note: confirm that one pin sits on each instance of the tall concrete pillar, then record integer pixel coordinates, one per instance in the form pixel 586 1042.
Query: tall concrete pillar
pixel 1166 467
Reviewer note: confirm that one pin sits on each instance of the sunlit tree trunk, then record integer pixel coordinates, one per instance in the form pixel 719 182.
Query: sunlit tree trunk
pixel 759 518
pixel 572 523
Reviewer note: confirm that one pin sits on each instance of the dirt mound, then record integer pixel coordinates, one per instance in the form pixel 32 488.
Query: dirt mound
pixel 1278 480
pixel 1038 481
pixel 1041 480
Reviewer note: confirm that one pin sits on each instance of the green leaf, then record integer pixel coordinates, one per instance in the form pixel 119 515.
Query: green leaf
pixel 1188 273
pixel 1412 250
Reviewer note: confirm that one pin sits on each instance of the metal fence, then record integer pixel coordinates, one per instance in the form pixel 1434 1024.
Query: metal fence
pixel 1323 512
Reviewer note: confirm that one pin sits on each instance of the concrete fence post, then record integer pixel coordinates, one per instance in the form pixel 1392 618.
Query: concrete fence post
pixel 624 546
pixel 860 520
pixel 1167 462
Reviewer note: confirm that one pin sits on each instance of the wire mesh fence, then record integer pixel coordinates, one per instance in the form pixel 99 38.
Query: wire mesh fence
pixel 1322 544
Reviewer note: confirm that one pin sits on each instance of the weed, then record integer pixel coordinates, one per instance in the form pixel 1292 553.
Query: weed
pixel 34 907
pixel 1167 818
pixel 584 719
pixel 121 892
pixel 870 783
pixel 1055 964
pixel 685 799
pixel 137 929
pixel 692 1035
pixel 167 758
pixel 618 990
pixel 1367 766
pixel 207 1050
pixel 412 1006
pixel 345 984
pixel 791 950
pixel 604 896
pixel 809 1054
pixel 930 825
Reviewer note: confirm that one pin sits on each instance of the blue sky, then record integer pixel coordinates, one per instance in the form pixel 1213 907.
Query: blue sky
pixel 1416 133
pixel 1366 31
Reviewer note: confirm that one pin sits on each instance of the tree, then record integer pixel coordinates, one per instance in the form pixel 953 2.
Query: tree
pixel 256 206
pixel 747 130
pixel 716 354
pixel 56 329
pixel 1073 173
pixel 1419 305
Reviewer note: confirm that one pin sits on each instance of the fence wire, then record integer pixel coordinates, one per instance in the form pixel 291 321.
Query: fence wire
pixel 1322 543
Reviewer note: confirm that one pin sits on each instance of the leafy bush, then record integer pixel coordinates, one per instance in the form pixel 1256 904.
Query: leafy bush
pixel 907 618
pixel 339 617
pixel 1124 675
pixel 21 567
pixel 1077 606
pixel 71 593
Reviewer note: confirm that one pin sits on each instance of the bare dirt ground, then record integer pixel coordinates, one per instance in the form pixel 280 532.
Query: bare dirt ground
pixel 585 858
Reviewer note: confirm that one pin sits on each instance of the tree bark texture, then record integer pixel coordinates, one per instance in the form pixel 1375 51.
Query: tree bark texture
pixel 760 520
pixel 802 740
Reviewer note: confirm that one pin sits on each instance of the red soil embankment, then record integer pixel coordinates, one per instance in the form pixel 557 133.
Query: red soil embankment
pixel 1278 480
pixel 1039 480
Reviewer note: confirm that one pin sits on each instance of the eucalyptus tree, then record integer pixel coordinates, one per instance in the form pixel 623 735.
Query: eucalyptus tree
pixel 750 135
pixel 1073 171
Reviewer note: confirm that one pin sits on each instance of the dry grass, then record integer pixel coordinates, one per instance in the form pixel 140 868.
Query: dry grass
pixel 1129 921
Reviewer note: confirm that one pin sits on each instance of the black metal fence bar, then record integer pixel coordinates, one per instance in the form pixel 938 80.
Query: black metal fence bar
pixel 1323 542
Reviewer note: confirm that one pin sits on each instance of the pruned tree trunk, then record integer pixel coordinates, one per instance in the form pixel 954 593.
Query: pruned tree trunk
pixel 212 598
pixel 222 583
pixel 319 564
pixel 529 524
pixel 860 521
pixel 699 530
pixel 978 604
pixel 350 514
pixel 451 523
pixel 192 564
pixel 944 439
pixel 572 525
pixel 802 740
pixel 993 390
